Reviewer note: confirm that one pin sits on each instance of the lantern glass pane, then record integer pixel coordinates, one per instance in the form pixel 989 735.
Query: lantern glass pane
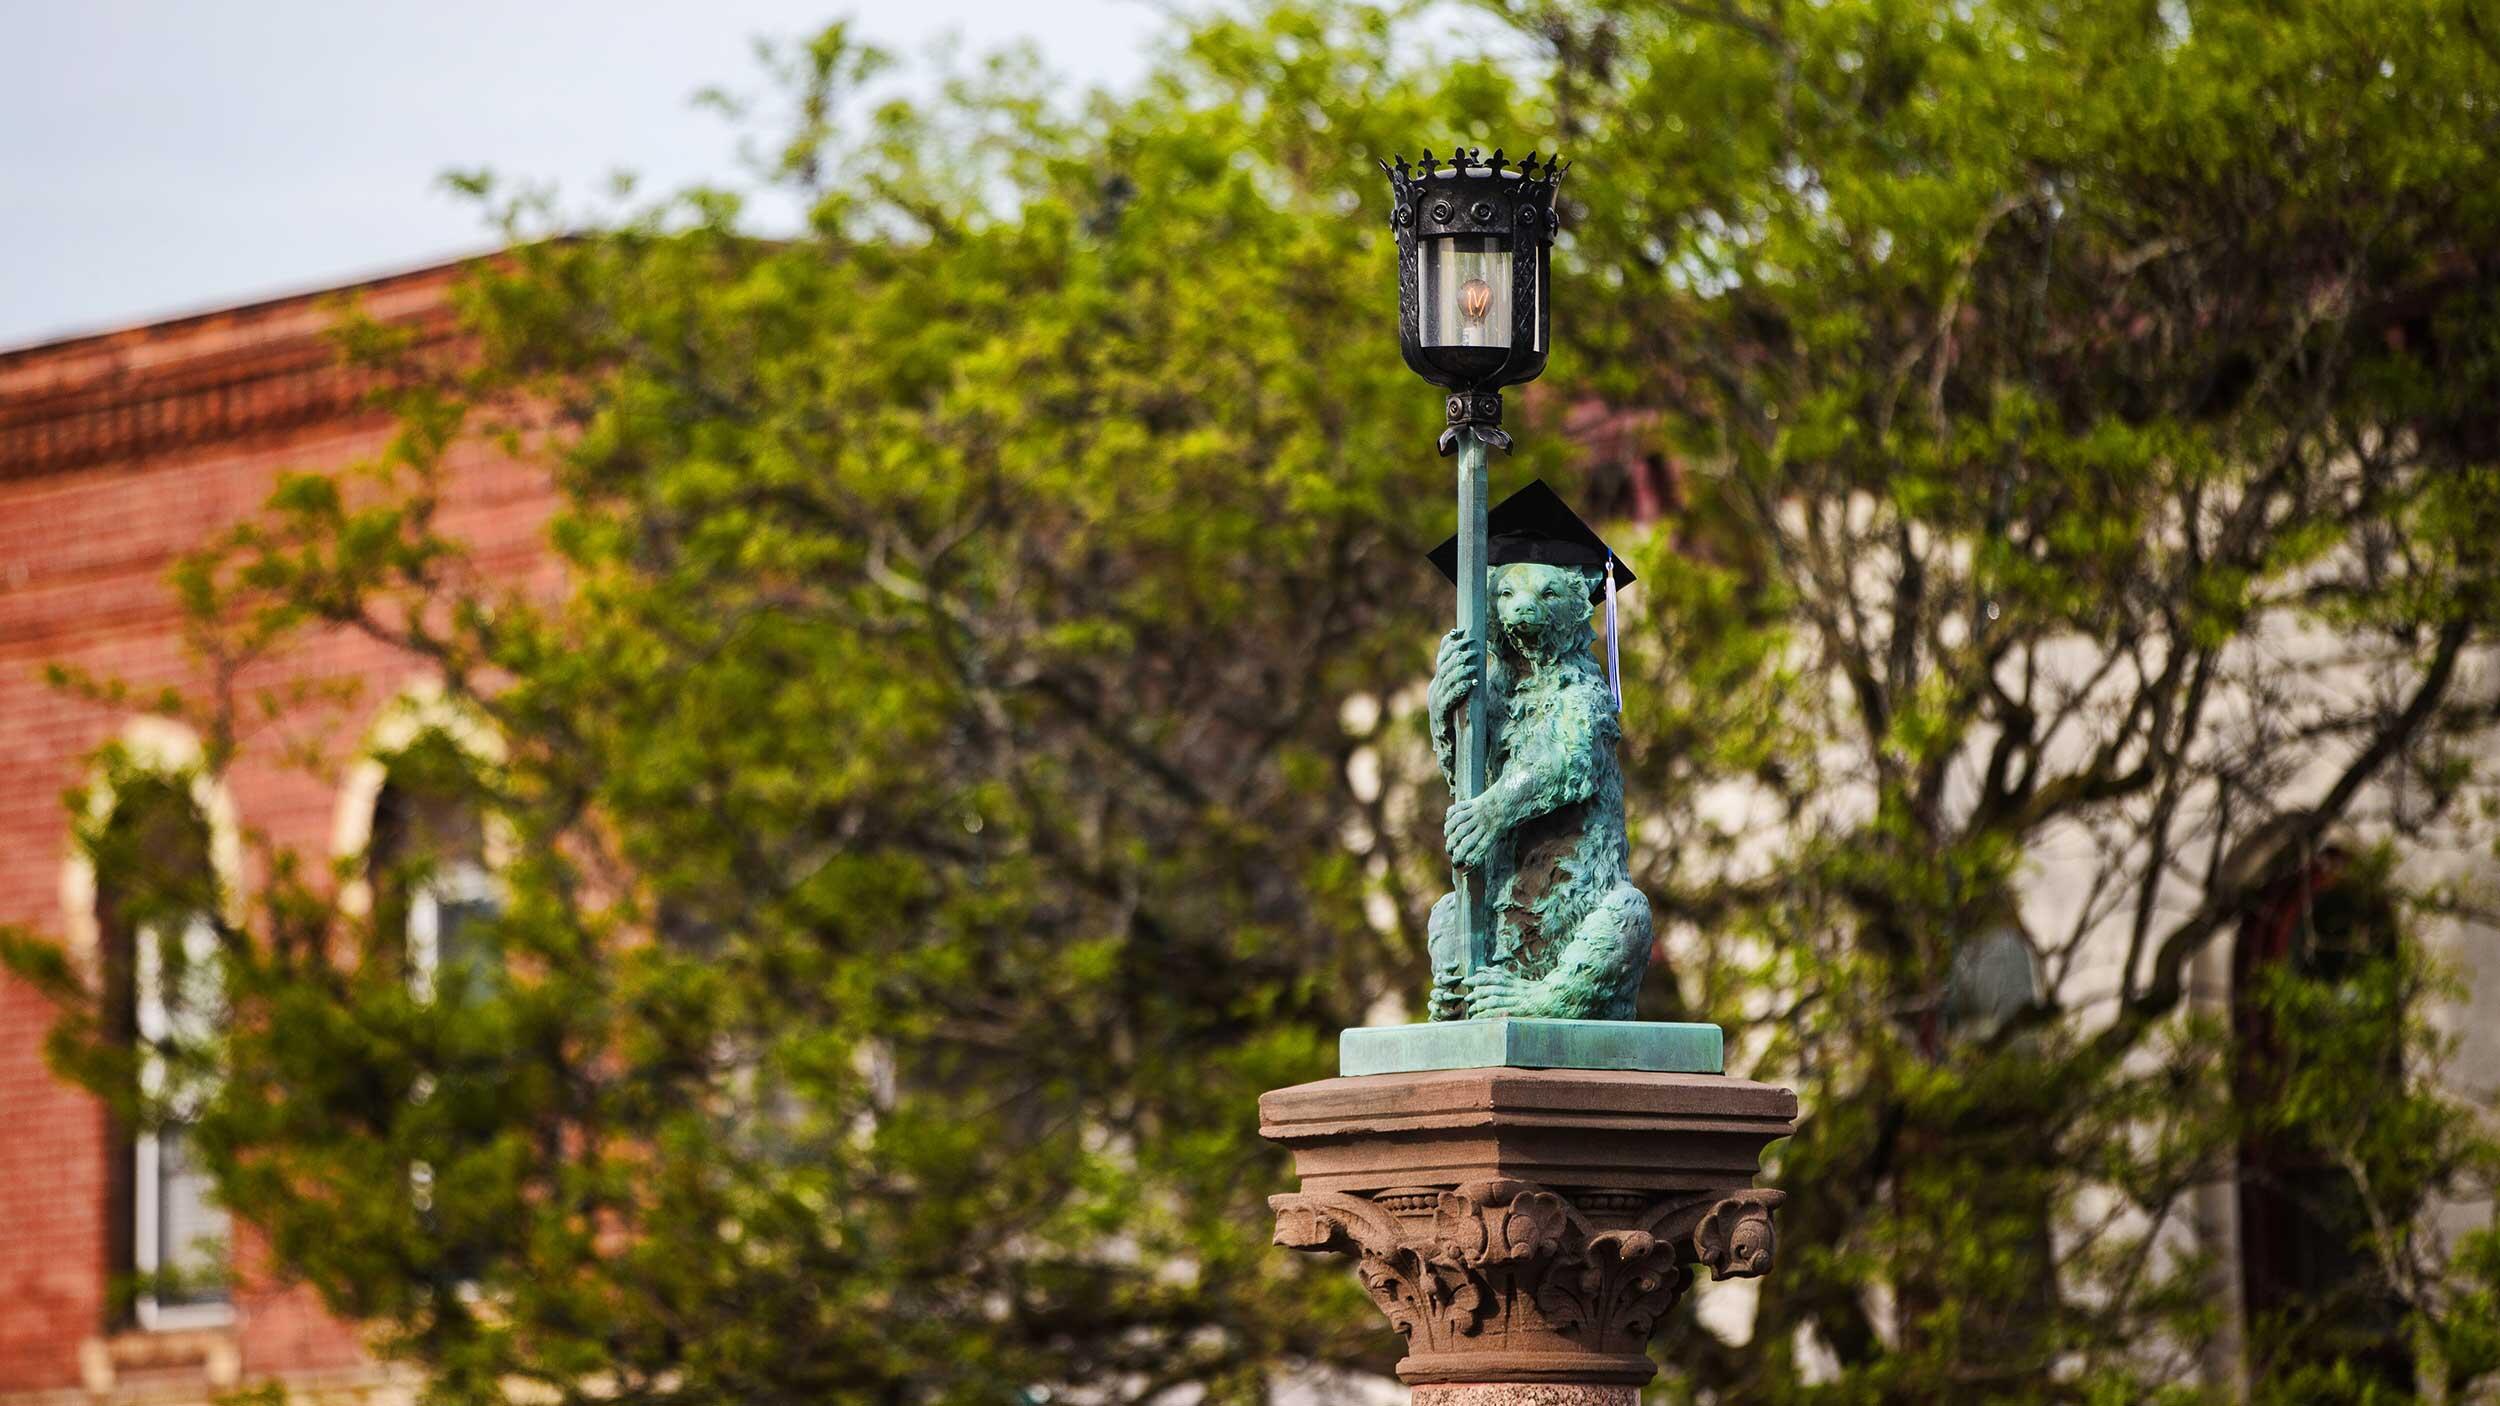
pixel 1465 285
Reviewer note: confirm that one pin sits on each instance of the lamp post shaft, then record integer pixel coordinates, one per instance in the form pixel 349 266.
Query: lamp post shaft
pixel 1474 903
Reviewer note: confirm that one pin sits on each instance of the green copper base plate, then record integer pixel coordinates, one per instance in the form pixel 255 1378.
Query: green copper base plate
pixel 1656 1046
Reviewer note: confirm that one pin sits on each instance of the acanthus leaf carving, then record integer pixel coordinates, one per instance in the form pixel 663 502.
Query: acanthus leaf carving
pixel 1509 1262
pixel 1389 1265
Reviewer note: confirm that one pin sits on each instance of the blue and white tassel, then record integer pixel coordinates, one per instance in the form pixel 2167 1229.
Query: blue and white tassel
pixel 1614 656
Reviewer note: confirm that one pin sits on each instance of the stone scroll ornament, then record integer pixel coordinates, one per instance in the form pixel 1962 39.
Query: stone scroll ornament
pixel 1535 1278
pixel 1571 932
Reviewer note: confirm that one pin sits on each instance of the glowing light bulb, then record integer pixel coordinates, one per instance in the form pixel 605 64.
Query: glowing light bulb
pixel 1475 299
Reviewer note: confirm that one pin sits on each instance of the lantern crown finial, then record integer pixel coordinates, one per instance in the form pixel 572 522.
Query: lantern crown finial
pixel 1467 162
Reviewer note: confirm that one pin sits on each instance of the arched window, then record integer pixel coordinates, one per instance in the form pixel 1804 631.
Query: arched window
pixel 435 904
pixel 2309 1287
pixel 432 886
pixel 156 907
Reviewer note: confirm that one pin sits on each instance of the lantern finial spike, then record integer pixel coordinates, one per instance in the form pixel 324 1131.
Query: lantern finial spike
pixel 1497 161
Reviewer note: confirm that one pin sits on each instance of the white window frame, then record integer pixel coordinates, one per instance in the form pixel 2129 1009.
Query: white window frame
pixel 156 1022
pixel 461 881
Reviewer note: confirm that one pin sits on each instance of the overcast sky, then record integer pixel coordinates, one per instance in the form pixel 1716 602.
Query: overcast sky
pixel 161 158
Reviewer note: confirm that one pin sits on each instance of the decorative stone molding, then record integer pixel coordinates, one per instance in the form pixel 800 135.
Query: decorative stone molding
pixel 1505 1281
pixel 133 395
pixel 1529 1228
pixel 170 749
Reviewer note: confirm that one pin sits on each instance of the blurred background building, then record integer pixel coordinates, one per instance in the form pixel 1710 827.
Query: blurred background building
pixel 118 452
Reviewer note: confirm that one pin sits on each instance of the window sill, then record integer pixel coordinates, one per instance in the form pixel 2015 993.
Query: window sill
pixel 199 1346
pixel 183 1318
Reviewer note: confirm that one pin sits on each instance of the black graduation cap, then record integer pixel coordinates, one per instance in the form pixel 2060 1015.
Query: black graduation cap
pixel 1534 524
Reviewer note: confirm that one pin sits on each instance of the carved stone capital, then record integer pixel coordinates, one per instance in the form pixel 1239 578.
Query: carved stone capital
pixel 1529 1225
pixel 1506 1281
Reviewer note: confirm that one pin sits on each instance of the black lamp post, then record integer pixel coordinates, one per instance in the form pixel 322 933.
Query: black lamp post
pixel 1475 253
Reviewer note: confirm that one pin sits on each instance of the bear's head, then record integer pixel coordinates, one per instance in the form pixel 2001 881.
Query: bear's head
pixel 1542 610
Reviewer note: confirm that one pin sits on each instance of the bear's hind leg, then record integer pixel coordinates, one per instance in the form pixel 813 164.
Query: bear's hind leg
pixel 1599 975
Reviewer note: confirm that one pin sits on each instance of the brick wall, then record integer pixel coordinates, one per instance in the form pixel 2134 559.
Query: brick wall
pixel 117 453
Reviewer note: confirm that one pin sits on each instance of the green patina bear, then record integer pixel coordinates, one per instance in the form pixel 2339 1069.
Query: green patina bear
pixel 1571 934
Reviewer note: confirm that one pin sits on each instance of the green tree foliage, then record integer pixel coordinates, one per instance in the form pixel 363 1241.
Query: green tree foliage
pixel 927 795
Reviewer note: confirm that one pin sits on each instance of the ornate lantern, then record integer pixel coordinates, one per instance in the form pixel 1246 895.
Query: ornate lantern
pixel 1475 248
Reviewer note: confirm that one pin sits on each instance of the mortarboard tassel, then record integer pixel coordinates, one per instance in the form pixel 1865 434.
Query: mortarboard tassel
pixel 1614 658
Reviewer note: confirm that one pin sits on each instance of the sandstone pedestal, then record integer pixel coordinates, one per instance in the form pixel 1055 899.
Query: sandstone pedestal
pixel 1525 1229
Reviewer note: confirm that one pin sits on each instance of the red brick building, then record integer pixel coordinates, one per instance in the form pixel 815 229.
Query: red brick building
pixel 118 452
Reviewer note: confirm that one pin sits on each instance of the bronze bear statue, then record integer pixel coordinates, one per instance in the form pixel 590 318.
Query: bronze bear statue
pixel 1571 933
